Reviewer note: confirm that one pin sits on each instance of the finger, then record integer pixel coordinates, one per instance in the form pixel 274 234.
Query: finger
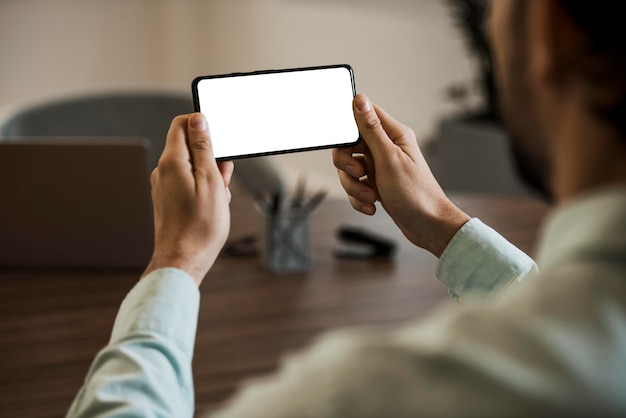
pixel 346 161
pixel 199 143
pixel 175 144
pixel 154 177
pixel 363 207
pixel 370 126
pixel 356 190
pixel 359 190
pixel 370 168
pixel 226 170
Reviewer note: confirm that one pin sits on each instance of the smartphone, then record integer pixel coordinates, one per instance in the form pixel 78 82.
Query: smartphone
pixel 278 111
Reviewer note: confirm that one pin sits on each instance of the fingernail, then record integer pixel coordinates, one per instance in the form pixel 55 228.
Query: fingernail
pixel 363 103
pixel 198 122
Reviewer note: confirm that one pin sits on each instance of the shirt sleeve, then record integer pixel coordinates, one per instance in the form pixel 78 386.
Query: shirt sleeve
pixel 480 264
pixel 145 370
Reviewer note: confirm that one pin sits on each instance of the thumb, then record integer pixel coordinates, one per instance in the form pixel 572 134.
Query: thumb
pixel 199 143
pixel 370 126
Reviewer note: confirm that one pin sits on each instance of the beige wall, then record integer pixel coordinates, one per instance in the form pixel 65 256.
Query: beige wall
pixel 404 52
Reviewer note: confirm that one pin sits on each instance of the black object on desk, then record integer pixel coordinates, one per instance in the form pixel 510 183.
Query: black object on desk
pixel 362 243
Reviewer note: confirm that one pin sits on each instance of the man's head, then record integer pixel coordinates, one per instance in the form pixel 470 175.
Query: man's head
pixel 550 55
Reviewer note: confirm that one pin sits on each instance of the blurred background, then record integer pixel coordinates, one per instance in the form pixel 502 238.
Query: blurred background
pixel 406 53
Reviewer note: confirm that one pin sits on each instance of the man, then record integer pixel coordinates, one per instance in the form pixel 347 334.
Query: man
pixel 551 345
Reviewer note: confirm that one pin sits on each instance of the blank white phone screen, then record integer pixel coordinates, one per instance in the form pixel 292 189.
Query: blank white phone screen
pixel 278 112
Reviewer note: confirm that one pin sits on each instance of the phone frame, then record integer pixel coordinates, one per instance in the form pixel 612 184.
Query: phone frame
pixel 196 104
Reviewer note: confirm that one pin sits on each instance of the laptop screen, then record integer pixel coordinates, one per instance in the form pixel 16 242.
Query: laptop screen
pixel 75 202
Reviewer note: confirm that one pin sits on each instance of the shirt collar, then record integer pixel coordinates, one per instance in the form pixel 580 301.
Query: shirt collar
pixel 588 226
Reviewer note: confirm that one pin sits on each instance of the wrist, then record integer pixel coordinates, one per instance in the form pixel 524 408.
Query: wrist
pixel 196 267
pixel 433 231
pixel 447 226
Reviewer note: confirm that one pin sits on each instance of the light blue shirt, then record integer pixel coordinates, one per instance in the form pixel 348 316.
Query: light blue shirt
pixel 553 344
pixel 145 370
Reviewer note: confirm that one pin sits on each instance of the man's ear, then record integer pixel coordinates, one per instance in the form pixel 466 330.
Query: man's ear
pixel 553 37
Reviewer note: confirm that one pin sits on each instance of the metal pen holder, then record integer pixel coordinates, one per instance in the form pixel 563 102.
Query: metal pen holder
pixel 287 241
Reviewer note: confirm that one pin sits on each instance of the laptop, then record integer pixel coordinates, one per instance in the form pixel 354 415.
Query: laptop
pixel 75 202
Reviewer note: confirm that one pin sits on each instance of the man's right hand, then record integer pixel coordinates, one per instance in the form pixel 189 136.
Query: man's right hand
pixel 388 166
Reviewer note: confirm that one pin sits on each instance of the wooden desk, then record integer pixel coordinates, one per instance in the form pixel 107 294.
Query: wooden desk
pixel 53 323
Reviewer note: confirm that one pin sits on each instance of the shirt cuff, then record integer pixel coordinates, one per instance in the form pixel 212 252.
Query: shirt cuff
pixel 165 302
pixel 479 263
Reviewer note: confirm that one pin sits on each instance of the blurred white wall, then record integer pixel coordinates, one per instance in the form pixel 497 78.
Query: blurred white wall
pixel 404 52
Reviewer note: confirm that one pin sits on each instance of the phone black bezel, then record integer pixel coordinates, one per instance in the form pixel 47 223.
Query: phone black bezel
pixel 196 105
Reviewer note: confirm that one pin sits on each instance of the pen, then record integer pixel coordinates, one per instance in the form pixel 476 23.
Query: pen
pixel 261 202
pixel 276 203
pixel 315 201
pixel 299 195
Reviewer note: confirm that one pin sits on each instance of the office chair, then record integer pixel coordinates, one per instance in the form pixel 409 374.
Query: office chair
pixel 127 114
pixel 474 157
